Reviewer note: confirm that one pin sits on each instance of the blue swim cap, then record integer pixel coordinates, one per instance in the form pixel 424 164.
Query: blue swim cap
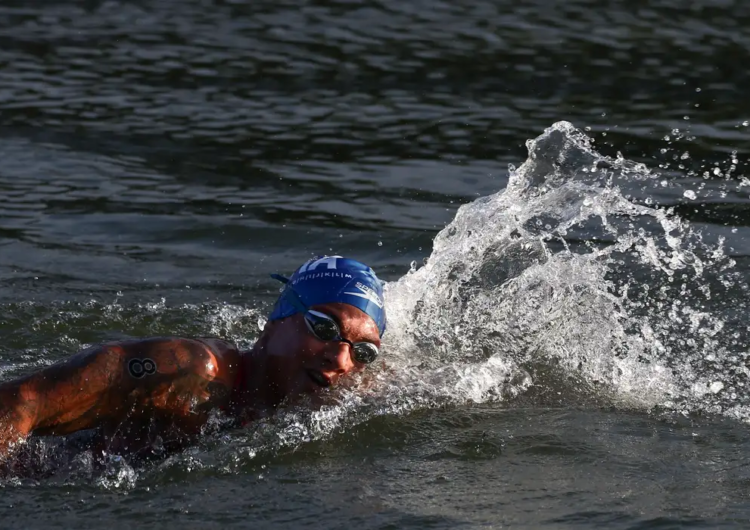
pixel 328 279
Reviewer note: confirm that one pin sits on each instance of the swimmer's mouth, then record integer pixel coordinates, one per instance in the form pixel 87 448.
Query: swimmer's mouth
pixel 319 379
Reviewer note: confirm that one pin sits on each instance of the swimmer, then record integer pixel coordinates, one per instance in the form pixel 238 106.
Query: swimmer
pixel 137 394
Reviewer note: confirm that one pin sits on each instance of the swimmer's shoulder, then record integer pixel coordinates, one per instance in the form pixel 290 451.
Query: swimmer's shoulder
pixel 210 357
pixel 228 358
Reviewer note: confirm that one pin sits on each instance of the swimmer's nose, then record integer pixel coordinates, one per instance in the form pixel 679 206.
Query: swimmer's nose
pixel 337 358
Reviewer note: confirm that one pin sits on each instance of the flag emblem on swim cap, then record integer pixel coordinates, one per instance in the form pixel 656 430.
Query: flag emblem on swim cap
pixel 329 279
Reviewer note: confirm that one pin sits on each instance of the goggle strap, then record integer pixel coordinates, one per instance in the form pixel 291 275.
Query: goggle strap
pixel 294 299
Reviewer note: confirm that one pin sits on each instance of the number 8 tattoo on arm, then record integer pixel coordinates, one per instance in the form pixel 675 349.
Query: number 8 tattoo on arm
pixel 138 368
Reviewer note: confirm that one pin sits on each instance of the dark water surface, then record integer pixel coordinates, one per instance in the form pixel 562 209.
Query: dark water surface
pixel 160 158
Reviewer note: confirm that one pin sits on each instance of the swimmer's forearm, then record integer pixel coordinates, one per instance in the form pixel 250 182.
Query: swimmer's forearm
pixel 75 394
pixel 60 399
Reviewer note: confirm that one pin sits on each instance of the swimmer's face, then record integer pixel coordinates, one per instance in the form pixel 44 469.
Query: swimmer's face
pixel 301 363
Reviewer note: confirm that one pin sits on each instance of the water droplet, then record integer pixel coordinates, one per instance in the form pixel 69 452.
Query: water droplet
pixel 690 194
pixel 745 123
pixel 686 117
pixel 380 243
pixel 684 156
pixel 697 89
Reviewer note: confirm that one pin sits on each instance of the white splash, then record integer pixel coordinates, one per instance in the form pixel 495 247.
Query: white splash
pixel 563 278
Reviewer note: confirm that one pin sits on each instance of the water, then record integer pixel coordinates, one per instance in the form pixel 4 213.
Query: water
pixel 567 341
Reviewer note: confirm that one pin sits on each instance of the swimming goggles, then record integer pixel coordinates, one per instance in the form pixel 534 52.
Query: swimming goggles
pixel 326 328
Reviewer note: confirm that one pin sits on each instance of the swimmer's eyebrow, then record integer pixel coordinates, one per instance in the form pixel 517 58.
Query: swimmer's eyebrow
pixel 362 334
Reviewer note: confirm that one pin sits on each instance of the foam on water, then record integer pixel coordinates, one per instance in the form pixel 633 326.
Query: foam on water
pixel 562 272
pixel 560 287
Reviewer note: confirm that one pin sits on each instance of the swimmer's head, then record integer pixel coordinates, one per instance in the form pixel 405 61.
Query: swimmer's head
pixel 332 279
pixel 326 324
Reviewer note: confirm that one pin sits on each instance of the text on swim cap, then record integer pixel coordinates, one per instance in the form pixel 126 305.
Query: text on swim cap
pixel 329 261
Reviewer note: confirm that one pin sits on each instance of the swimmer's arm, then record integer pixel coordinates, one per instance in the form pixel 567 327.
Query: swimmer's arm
pixel 16 414
pixel 97 385
pixel 47 397
pixel 67 394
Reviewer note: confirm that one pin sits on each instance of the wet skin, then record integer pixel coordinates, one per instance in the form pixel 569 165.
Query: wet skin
pixel 132 402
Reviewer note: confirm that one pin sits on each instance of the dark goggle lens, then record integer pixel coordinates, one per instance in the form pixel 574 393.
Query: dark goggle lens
pixel 365 352
pixel 323 328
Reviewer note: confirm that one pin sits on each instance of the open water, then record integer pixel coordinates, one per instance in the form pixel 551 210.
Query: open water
pixel 556 193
